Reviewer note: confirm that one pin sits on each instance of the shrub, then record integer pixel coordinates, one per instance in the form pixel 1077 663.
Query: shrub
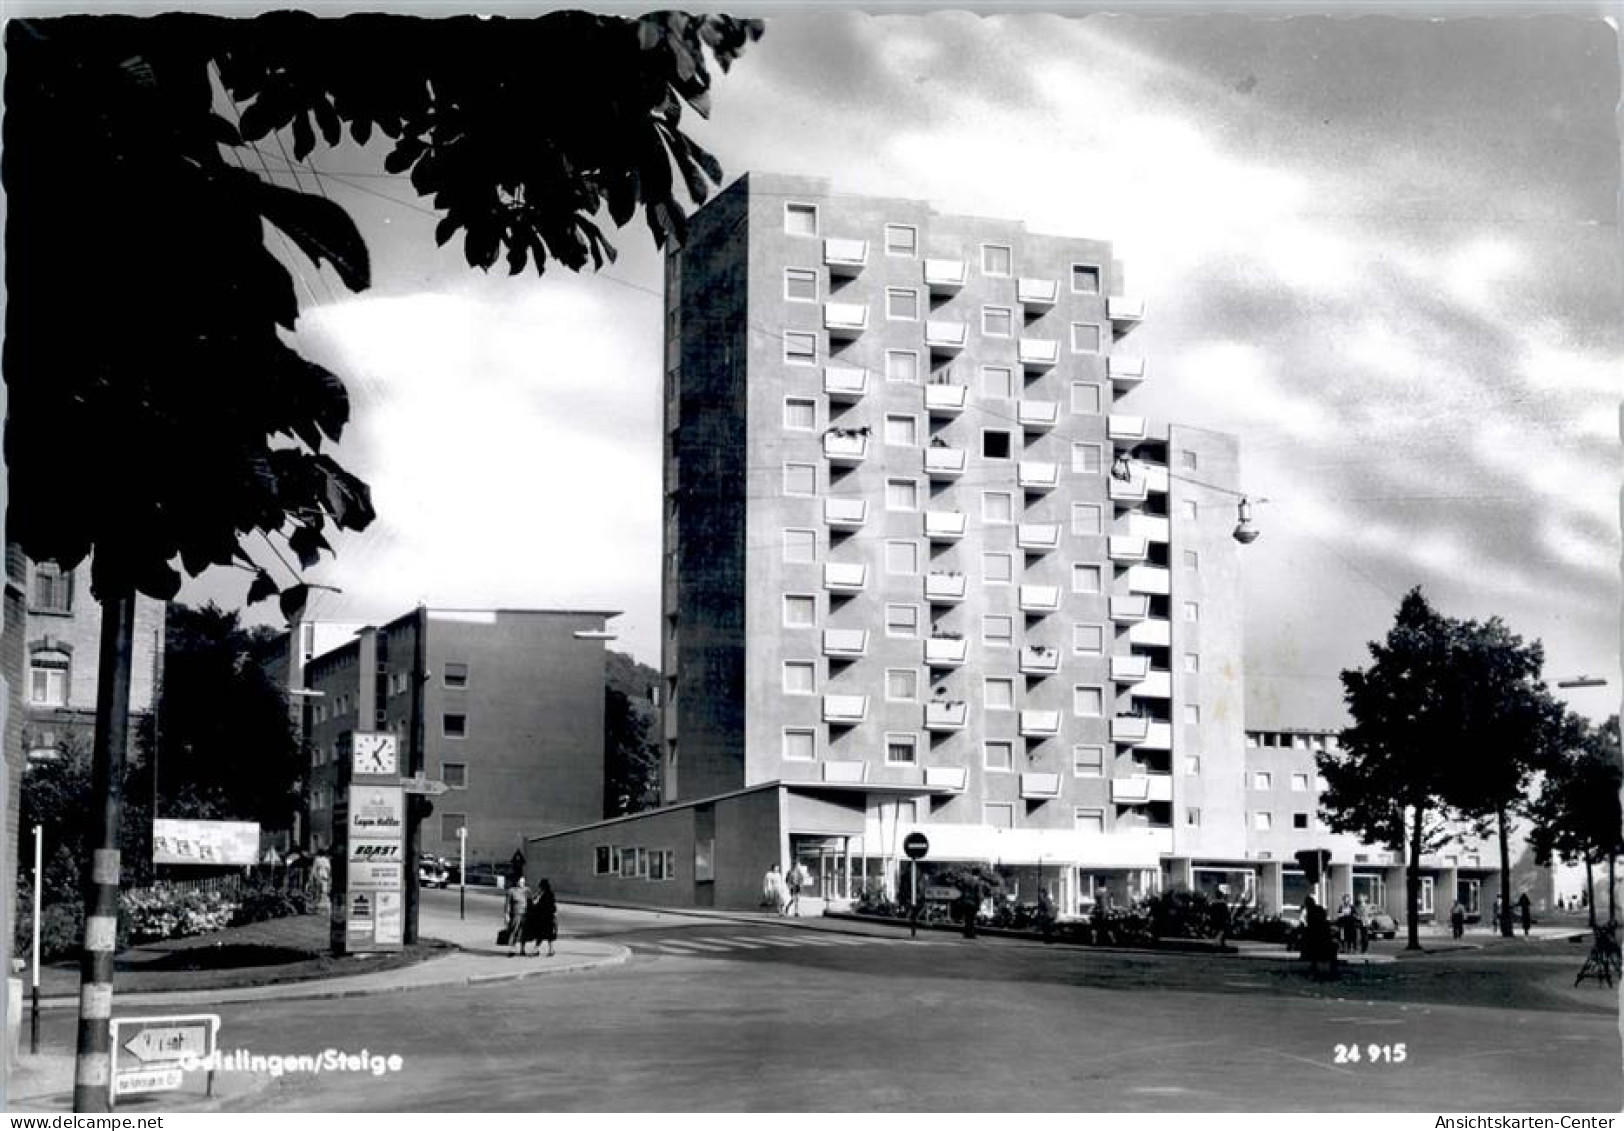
pixel 266 902
pixel 163 912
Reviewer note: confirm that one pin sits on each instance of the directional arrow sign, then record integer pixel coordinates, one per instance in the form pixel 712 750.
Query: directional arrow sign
pixel 424 785
pixel 169 1043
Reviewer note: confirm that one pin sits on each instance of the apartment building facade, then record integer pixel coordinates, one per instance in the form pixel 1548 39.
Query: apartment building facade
pixel 505 705
pixel 923 570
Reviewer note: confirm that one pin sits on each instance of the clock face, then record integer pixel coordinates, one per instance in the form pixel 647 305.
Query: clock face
pixel 374 754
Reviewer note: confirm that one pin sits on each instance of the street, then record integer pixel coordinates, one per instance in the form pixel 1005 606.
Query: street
pixel 716 1014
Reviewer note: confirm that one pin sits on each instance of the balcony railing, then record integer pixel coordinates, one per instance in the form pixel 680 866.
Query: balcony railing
pixel 1039 353
pixel 1038 416
pixel 846 773
pixel 1155 479
pixel 1129 669
pixel 845 449
pixel 1124 313
pixel 1040 598
pixel 944 526
pixel 1149 527
pixel 951 778
pixel 944 463
pixel 944 400
pixel 1037 292
pixel 1037 537
pixel 1040 724
pixel 1039 786
pixel 845 643
pixel 845 257
pixel 1150 579
pixel 1155 685
pixel 944 275
pixel 1039 475
pixel 1159 736
pixel 944 588
pixel 944 337
pixel 945 652
pixel 1124 430
pixel 1132 490
pixel 845 384
pixel 1039 660
pixel 1129 730
pixel 844 577
pixel 845 319
pixel 1129 609
pixel 1125 370
pixel 847 710
pixel 1156 633
pixel 1127 549
pixel 845 514
pixel 943 715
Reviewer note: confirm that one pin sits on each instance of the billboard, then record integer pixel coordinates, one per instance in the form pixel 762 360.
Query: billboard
pixel 204 842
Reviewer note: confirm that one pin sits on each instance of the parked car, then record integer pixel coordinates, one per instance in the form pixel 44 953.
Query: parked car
pixel 1382 925
pixel 432 871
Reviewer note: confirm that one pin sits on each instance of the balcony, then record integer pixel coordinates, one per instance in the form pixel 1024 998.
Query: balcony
pixel 1039 353
pixel 1040 598
pixel 1129 609
pixel 1142 789
pixel 944 463
pixel 1037 292
pixel 1039 786
pixel 1125 431
pixel 845 710
pixel 944 588
pixel 944 526
pixel 946 652
pixel 946 715
pixel 845 319
pixel 1125 371
pixel 949 778
pixel 1127 549
pixel 846 773
pixel 1038 475
pixel 1149 527
pixel 1155 478
pixel 1039 661
pixel 944 337
pixel 1129 730
pixel 1159 736
pixel 845 449
pixel 1155 685
pixel 1038 537
pixel 844 577
pixel 1040 724
pixel 944 400
pixel 1150 579
pixel 1151 634
pixel 1124 313
pixel 845 385
pixel 1129 669
pixel 1038 416
pixel 845 514
pixel 845 643
pixel 944 276
pixel 1133 490
pixel 845 257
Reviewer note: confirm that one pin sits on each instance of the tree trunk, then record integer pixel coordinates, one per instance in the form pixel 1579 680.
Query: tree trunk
pixel 1590 892
pixel 1412 884
pixel 93 1068
pixel 1612 892
pixel 1506 931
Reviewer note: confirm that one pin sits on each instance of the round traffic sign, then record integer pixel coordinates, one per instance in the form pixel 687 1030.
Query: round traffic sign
pixel 915 845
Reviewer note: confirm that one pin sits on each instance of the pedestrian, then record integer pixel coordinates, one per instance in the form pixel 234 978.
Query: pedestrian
pixel 1347 924
pixel 1218 914
pixel 321 881
pixel 1525 909
pixel 518 902
pixel 1318 942
pixel 773 893
pixel 1457 920
pixel 798 878
pixel 1499 916
pixel 1045 915
pixel 540 919
pixel 1361 911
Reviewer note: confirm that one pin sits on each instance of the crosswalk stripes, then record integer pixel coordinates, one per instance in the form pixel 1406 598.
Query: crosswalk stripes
pixel 717 944
pixel 740 943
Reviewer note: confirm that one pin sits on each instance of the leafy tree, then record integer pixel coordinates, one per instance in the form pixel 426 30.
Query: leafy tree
pixel 631 753
pixel 1576 815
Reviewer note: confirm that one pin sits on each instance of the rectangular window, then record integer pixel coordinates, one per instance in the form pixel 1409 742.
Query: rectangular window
pixel 1085 398
pixel 800 546
pixel 901 685
pixel 450 823
pixel 800 285
pixel 1188 459
pixel 1090 821
pixel 1088 639
pixel 998 814
pixel 998 381
pixel 1192 818
pixel 454 774
pixel 656 864
pixel 1087 459
pixel 997 507
pixel 998 755
pixel 1085 518
pixel 1192 611
pixel 800 744
pixel 800 348
pixel 902 431
pixel 455 726
pixel 901 495
pixel 1192 715
pixel 1192 764
pixel 1085 280
pixel 902 304
pixel 901 749
pixel 801 219
pixel 902 366
pixel 997 321
pixel 455 675
pixel 1085 578
pixel 800 677
pixel 800 479
pixel 997 569
pixel 1262 779
pixel 1192 560
pixel 1262 821
pixel 600 860
pixel 1192 662
pixel 902 557
pixel 1299 820
pixel 995 443
pixel 999 694
pixel 995 259
pixel 1085 337
pixel 800 610
pixel 997 631
pixel 902 620
pixel 628 862
pixel 1088 761
pixel 900 239
pixel 1299 783
pixel 1088 702
pixel 800 413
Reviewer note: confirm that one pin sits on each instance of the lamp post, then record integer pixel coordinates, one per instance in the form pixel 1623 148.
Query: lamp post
pixel 462 871
pixel 39 877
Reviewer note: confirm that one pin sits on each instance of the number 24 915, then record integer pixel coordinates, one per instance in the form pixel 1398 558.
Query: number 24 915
pixel 1372 1054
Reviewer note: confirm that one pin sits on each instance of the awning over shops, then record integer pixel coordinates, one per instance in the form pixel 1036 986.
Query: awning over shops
pixel 1053 847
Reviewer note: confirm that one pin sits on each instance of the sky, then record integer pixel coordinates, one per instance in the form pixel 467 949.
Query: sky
pixel 1383 252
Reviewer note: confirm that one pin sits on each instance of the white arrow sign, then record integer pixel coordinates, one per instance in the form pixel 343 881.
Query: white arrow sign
pixel 169 1043
pixel 423 785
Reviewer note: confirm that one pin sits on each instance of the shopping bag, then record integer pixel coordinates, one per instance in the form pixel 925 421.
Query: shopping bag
pixel 504 937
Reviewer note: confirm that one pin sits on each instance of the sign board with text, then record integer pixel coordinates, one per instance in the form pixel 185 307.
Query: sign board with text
pixel 205 842
pixel 369 823
pixel 148 1052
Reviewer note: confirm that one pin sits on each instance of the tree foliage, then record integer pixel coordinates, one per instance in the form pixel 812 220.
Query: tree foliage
pixel 1576 816
pixel 631 752
pixel 146 316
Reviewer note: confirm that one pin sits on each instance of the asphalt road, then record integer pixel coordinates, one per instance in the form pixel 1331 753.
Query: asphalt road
pixel 716 1015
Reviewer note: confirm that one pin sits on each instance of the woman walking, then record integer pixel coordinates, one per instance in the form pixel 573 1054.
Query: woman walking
pixel 518 899
pixel 541 919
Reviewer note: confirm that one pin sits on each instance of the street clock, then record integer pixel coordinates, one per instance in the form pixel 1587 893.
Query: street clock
pixel 374 755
